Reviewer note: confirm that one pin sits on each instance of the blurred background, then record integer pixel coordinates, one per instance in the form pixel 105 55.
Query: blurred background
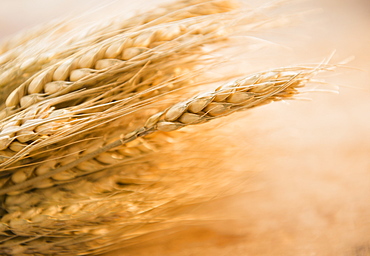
pixel 310 188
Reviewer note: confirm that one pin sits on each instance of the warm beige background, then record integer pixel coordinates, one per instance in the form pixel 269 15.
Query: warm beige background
pixel 312 188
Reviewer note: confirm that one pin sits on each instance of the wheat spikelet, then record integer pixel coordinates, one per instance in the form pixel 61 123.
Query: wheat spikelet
pixel 73 209
pixel 83 135
pixel 60 44
pixel 105 65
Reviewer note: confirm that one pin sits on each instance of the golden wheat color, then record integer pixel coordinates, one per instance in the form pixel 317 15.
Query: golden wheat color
pixel 88 121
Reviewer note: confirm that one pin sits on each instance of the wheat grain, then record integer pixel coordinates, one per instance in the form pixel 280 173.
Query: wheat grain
pixel 54 36
pixel 80 68
pixel 43 128
pixel 86 128
pixel 255 90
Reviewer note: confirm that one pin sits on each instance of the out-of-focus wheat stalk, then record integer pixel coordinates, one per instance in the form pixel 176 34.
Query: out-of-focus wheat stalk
pixel 88 115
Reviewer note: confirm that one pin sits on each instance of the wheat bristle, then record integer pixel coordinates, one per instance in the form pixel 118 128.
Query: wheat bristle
pixel 90 119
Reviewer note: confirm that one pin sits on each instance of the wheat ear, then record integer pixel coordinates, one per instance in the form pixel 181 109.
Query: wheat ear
pixel 255 90
pixel 56 41
pixel 93 128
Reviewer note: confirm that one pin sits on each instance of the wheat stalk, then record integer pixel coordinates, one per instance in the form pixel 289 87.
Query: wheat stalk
pixel 83 133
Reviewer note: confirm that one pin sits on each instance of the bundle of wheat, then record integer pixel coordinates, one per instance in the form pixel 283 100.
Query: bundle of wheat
pixel 91 115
